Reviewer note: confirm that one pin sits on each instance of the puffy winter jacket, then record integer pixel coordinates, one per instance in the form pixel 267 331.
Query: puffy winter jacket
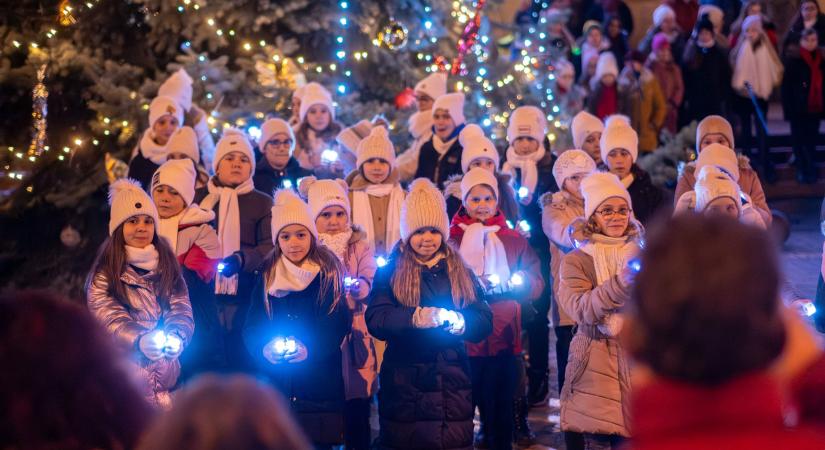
pixel 642 100
pixel 425 399
pixel 267 179
pixel 507 203
pixel 130 318
pixel 559 211
pixel 437 167
pixel 647 198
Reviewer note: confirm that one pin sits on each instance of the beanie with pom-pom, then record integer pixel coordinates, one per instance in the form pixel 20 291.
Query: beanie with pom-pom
pixel 376 145
pixel 453 103
pixel 720 156
pixel 185 141
pixel 289 209
pixel 424 207
pixel 127 199
pixel 179 87
pixel 619 134
pixel 476 145
pixel 321 194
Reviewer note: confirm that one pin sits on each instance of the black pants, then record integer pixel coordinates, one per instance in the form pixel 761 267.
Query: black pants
pixel 538 329
pixel 747 140
pixel 804 133
pixel 564 335
pixel 357 423
pixel 494 383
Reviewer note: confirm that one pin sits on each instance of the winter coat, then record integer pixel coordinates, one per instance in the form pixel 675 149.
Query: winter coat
pixel 796 85
pixel 790 45
pixel 559 210
pixel 130 318
pixel 314 387
pixel 267 179
pixel 647 198
pixel 379 207
pixel 360 365
pixel 619 46
pixel 677 45
pixel 425 399
pixel 142 169
pixel 748 412
pixel 507 203
pixel 436 167
pixel 596 392
pixel 642 100
pixel 748 182
pixel 707 75
pixel 669 76
pixel 506 335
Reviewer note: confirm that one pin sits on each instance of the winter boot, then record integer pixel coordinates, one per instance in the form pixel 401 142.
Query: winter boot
pixel 522 435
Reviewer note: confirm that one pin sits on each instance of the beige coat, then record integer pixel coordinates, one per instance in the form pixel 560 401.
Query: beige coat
pixel 141 314
pixel 596 392
pixel 559 210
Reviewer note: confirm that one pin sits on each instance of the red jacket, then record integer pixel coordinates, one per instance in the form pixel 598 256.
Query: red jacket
pixel 506 335
pixel 746 413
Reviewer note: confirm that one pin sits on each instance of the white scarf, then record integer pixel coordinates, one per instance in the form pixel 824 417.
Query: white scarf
pixel 442 146
pixel 337 243
pixel 145 258
pixel 757 67
pixel 168 229
pixel 362 212
pixel 610 257
pixel 292 278
pixel 151 150
pixel 528 166
pixel 229 226
pixel 628 180
pixel 420 124
pixel 483 250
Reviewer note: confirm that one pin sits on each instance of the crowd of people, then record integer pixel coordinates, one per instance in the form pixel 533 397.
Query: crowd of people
pixel 336 269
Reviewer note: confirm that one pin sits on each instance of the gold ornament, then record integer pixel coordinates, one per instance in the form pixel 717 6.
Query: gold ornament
pixel 65 14
pixel 40 95
pixel 115 168
pixel 394 35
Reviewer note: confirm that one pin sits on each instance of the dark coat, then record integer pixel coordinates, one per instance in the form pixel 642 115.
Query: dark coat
pixel 796 84
pixel 314 387
pixel 425 400
pixel 438 168
pixel 142 169
pixel 205 352
pixel 790 45
pixel 646 197
pixel 707 75
pixel 267 179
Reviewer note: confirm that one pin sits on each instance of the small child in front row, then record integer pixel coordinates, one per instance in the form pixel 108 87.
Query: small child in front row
pixel 330 208
pixel 298 319
pixel 511 272
pixel 136 291
pixel 425 304
pixel 188 230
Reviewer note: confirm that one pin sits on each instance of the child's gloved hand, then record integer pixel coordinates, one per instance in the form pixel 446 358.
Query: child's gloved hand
pixel 230 265
pixel 426 317
pixel 151 344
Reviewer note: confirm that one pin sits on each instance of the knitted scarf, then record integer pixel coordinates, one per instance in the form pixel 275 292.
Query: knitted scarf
pixel 814 60
pixel 151 150
pixel 362 212
pixel 528 166
pixel 610 256
pixel 291 278
pixel 337 243
pixel 145 258
pixel 483 250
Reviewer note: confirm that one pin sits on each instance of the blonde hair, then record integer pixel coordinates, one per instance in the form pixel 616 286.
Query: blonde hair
pixel 406 281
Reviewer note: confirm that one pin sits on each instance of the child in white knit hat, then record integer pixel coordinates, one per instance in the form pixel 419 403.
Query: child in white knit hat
pixel 420 123
pixel 375 191
pixel 188 230
pixel 716 193
pixel 316 148
pixel 184 145
pixel 330 207
pixel 479 151
pixel 165 117
pixel 595 284
pixel 425 304
pixel 136 291
pixel 298 320
pixel 179 87
pixel 620 150
pixel 559 210
pixel 511 272
pixel 440 157
pixel 587 131
pixel 277 168
pixel 242 218
pixel 604 93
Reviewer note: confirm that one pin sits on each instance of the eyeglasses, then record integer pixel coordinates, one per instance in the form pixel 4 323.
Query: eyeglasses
pixel 275 143
pixel 608 213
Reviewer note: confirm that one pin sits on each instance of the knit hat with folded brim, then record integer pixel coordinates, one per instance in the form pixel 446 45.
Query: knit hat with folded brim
pixel 424 207
pixel 289 209
pixel 127 199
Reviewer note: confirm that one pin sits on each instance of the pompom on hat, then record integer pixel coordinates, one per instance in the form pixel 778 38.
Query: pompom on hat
pixel 127 199
pixel 179 87
pixel 321 194
pixel 424 207
pixel 185 141
pixel 433 85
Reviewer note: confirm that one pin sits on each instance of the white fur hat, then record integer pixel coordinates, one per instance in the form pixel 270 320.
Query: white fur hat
pixel 185 141
pixel 272 127
pixel 475 177
pixel 584 124
pixel 661 13
pixel 720 156
pixel 619 134
pixel 424 207
pixel 434 85
pixel 476 145
pixel 376 145
pixel 289 209
pixel 571 162
pixel 233 140
pixel 162 106
pixel 452 103
pixel 127 199
pixel 179 87
pixel 527 121
pixel 321 194
pixel 179 174
pixel 600 186
pixel 315 94
pixel 711 184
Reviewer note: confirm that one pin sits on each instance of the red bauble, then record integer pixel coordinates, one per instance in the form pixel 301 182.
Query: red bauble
pixel 405 98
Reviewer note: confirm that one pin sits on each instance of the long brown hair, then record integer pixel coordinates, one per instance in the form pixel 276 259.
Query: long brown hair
pixel 406 281
pixel 111 262
pixel 327 134
pixel 332 271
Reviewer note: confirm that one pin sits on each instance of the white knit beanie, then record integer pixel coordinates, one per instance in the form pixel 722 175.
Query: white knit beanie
pixel 272 127
pixel 424 207
pixel 434 85
pixel 179 87
pixel 289 209
pixel 619 134
pixel 127 199
pixel 179 174
pixel 711 184
pixel 476 145
pixel 376 145
pixel 475 177
pixel 321 194
pixel 233 140
pixel 606 65
pixel 162 106
pixel 661 13
pixel 714 124
pixel 453 103
pixel 185 141
pixel 527 121
pixel 600 186
pixel 571 162
pixel 584 124
pixel 315 94
pixel 720 156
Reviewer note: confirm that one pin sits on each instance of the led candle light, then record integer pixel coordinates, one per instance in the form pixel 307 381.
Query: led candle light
pixel 380 261
pixel 329 156
pixel 221 267
pixel 287 183
pixel 523 192
pixel 517 279
pixel 283 346
pixel 170 343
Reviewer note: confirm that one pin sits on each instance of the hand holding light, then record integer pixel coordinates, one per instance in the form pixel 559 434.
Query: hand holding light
pixel 230 265
pixel 452 321
pixel 285 349
pixel 157 344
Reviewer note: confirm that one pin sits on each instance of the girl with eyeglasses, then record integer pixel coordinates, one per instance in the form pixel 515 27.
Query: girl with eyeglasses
pixel 277 167
pixel 595 284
